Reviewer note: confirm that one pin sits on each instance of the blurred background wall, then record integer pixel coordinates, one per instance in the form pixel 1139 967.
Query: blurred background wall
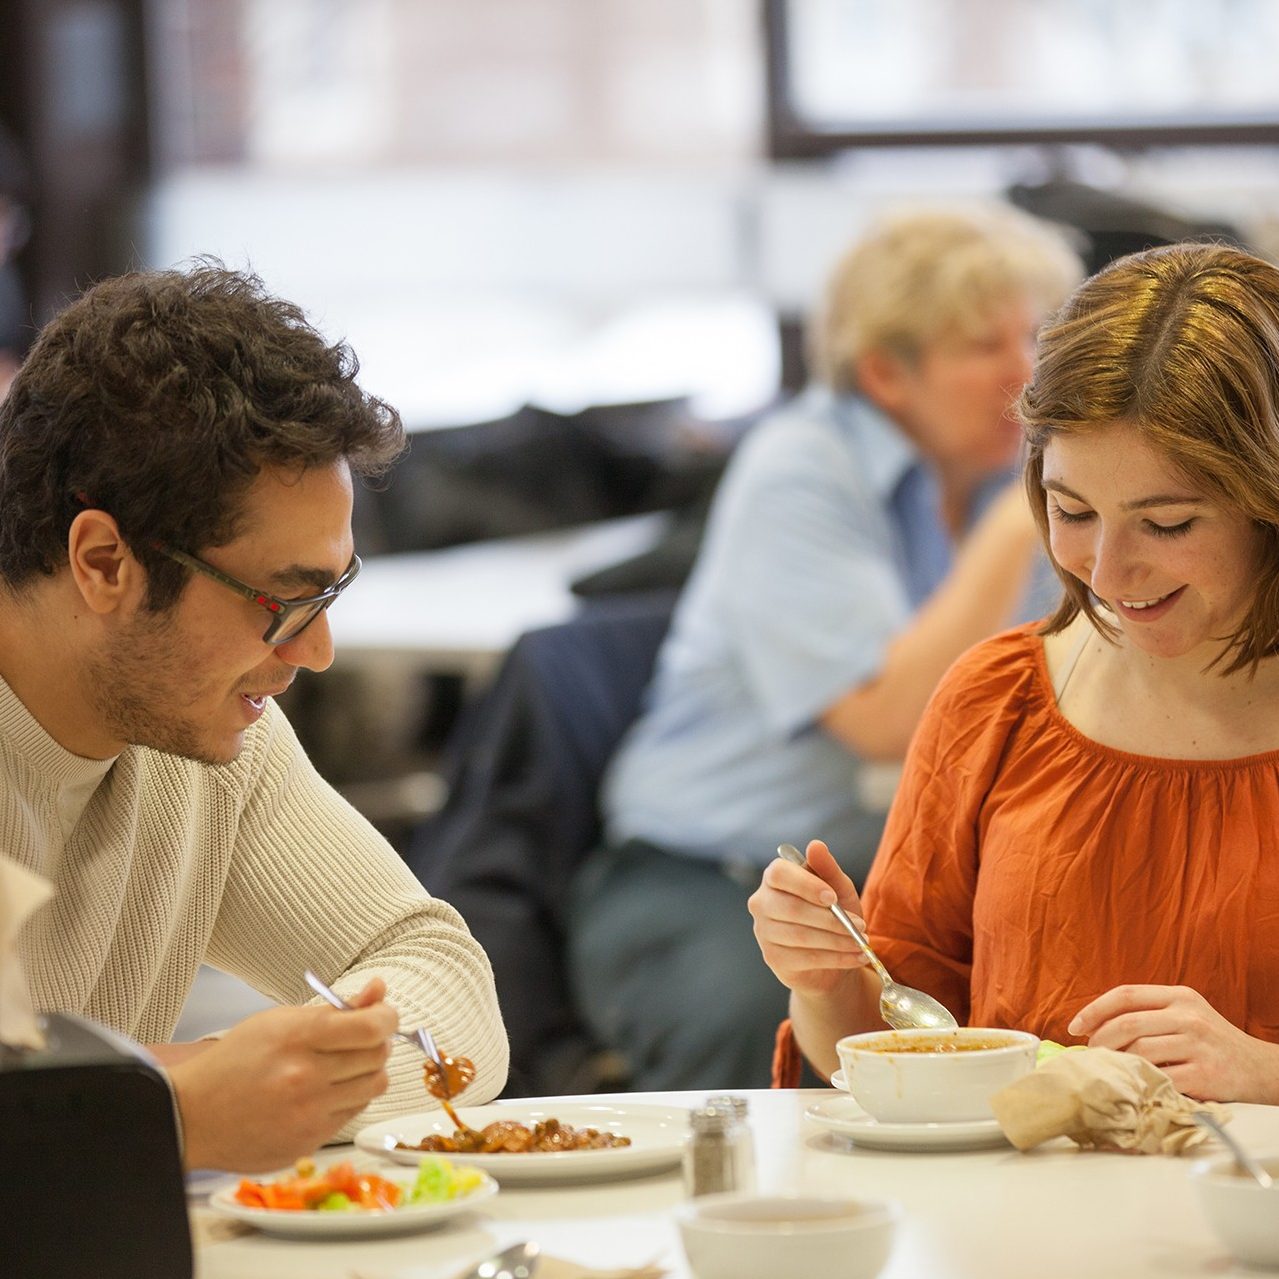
pixel 521 212
pixel 574 201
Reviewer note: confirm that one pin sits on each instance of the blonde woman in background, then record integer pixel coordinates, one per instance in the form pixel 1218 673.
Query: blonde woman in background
pixel 862 538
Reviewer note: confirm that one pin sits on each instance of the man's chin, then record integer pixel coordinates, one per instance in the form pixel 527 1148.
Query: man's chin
pixel 215 753
pixel 222 754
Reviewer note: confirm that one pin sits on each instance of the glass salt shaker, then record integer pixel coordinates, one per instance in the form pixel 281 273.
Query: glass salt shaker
pixel 742 1137
pixel 710 1156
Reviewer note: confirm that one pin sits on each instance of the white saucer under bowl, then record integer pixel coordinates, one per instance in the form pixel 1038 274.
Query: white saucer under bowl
pixel 844 1116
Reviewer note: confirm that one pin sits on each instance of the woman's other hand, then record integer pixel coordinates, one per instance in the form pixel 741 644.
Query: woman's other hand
pixel 1178 1030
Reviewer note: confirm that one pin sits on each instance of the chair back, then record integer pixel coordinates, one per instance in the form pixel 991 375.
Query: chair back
pixel 523 770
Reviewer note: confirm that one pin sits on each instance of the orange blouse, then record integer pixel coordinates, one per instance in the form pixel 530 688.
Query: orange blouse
pixel 1026 869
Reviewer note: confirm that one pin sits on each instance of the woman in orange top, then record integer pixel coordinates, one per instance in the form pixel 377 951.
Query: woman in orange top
pixel 1085 843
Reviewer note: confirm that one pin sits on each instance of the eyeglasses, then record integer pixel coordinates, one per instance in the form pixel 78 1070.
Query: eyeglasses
pixel 289 618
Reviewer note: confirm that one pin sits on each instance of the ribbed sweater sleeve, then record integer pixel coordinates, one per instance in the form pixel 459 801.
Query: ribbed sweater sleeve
pixel 313 885
pixel 257 867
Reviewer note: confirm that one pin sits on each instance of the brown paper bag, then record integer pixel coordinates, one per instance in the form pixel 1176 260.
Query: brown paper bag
pixel 1101 1100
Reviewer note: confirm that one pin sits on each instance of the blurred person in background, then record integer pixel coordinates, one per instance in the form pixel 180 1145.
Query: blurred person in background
pixel 862 538
pixel 177 455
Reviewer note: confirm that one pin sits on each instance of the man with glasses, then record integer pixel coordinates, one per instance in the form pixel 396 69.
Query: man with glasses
pixel 176 468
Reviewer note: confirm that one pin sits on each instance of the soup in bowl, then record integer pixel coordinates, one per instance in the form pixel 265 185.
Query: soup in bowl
pixel 933 1076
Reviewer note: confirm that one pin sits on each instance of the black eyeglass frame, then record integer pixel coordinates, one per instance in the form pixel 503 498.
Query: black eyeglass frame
pixel 281 610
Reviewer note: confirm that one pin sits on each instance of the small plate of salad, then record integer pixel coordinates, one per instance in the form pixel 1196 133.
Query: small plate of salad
pixel 345 1201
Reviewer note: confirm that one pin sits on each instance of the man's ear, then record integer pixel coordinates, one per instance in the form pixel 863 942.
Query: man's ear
pixel 102 566
pixel 883 376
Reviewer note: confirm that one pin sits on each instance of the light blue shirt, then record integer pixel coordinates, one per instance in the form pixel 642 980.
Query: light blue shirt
pixel 824 539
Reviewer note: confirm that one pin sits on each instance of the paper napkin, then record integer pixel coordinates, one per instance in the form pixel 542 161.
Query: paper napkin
pixel 1101 1100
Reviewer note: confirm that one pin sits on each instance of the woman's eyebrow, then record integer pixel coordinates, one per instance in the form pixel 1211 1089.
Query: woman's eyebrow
pixel 1138 504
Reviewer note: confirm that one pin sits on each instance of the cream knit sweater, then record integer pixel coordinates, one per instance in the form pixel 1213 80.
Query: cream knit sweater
pixel 257 867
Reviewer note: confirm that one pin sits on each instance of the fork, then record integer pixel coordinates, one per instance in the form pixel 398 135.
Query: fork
pixel 420 1038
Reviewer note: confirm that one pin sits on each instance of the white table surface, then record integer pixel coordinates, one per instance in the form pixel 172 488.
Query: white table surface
pixel 462 607
pixel 993 1214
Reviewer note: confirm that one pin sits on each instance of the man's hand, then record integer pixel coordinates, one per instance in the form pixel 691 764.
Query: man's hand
pixel 283 1082
pixel 1179 1031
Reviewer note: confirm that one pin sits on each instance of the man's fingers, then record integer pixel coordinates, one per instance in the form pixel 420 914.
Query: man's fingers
pixel 374 991
pixel 351 1095
pixel 336 1031
pixel 341 1068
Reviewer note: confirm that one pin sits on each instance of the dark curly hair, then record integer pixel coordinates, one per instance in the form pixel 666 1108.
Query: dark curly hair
pixel 158 397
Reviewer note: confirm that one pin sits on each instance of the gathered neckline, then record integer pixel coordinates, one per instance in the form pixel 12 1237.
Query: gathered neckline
pixel 1164 763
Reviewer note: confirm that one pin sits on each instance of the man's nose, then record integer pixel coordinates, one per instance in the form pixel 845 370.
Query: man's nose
pixel 312 649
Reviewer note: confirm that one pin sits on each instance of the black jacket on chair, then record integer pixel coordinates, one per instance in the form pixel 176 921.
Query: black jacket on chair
pixel 523 770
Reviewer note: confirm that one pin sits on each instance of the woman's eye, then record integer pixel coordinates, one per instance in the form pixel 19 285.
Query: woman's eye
pixel 1068 517
pixel 1169 530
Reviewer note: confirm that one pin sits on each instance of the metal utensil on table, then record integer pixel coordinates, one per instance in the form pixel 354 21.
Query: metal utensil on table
pixel 1245 1161
pixel 519 1261
pixel 902 1007
pixel 420 1038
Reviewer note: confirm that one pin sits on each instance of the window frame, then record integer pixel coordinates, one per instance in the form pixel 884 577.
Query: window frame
pixel 791 137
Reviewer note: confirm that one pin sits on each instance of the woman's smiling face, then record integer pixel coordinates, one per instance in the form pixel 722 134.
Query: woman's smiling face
pixel 1177 569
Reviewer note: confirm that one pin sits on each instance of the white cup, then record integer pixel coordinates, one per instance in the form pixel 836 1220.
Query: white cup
pixel 747 1236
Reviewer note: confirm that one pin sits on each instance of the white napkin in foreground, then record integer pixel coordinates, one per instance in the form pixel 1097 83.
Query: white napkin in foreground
pixel 1101 1100
pixel 22 893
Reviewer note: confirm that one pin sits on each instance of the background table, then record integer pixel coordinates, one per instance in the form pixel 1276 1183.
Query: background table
pixel 994 1214
pixel 461 608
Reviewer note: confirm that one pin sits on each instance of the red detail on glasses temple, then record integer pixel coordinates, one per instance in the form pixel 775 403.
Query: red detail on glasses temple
pixel 268 603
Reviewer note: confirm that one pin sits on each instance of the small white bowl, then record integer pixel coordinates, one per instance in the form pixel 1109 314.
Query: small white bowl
pixel 1244 1215
pixel 933 1076
pixel 748 1236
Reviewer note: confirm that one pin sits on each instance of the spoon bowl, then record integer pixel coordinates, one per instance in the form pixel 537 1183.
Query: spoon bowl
pixel 901 1007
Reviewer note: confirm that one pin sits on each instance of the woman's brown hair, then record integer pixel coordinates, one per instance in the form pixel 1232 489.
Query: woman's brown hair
pixel 1183 343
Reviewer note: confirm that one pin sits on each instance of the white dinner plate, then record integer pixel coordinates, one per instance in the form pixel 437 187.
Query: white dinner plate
pixel 657 1136
pixel 308 1224
pixel 844 1116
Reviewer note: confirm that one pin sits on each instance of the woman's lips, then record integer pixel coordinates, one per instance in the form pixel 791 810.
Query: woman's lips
pixel 1148 610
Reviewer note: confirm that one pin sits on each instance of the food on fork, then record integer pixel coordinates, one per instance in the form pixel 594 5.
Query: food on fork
pixel 447 1077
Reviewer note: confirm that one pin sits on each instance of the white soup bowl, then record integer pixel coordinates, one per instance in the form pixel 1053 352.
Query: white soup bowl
pixel 933 1076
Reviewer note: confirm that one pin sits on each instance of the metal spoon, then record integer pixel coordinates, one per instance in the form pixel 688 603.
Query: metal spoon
pixel 420 1038
pixel 902 1007
pixel 1245 1161
pixel 519 1261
